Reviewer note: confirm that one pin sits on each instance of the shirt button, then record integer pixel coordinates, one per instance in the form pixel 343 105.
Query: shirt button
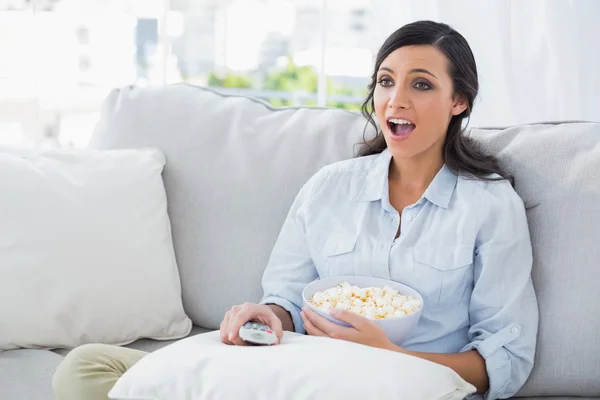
pixel 515 330
pixel 409 217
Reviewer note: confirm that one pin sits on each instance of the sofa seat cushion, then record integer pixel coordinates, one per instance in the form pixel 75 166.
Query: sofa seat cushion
pixel 148 345
pixel 27 374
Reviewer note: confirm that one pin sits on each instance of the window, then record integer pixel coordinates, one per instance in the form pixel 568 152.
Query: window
pixel 62 57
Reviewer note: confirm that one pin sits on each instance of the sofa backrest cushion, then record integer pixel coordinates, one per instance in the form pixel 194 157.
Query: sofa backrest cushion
pixel 234 167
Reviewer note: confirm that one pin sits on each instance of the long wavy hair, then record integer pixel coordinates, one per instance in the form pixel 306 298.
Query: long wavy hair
pixel 461 154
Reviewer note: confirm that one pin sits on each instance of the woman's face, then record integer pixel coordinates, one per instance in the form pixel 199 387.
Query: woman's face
pixel 414 101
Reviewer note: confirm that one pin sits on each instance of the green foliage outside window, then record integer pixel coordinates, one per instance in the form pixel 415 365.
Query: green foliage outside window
pixel 293 79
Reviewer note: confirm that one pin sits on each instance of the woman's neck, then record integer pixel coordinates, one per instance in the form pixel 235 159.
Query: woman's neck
pixel 414 173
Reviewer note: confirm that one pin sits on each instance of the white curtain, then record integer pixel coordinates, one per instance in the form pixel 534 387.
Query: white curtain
pixel 538 60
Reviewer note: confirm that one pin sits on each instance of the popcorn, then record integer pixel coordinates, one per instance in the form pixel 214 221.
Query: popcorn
pixel 371 302
pixel 357 302
pixel 397 302
pixel 380 302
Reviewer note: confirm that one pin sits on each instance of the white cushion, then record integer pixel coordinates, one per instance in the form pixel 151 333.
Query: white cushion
pixel 86 253
pixel 301 367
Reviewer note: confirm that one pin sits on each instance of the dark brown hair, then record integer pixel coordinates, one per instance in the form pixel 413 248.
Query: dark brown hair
pixel 461 154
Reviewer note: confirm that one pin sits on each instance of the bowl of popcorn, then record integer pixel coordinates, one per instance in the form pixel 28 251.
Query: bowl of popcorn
pixel 393 306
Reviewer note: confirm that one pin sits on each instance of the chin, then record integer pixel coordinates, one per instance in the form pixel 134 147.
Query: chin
pixel 403 146
pixel 405 149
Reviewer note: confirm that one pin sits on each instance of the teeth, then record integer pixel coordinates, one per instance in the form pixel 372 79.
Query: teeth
pixel 400 121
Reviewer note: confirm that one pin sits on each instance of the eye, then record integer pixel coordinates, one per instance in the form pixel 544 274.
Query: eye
pixel 385 81
pixel 422 86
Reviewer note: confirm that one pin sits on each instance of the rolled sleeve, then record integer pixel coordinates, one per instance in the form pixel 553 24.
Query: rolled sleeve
pixel 290 267
pixel 503 308
pixel 290 307
pixel 497 359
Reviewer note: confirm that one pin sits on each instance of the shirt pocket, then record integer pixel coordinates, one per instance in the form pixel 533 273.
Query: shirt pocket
pixel 337 248
pixel 445 271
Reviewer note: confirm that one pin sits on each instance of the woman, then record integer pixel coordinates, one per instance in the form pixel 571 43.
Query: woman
pixel 424 207
pixel 421 206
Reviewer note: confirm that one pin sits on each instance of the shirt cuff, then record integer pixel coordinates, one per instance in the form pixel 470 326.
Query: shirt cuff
pixel 497 360
pixel 289 307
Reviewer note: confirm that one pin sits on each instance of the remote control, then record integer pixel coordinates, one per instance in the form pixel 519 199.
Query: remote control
pixel 257 333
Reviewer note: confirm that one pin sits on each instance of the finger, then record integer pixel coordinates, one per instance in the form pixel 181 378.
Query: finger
pixel 233 326
pixel 357 321
pixel 223 328
pixel 231 315
pixel 331 329
pixel 236 322
pixel 319 322
pixel 310 328
pixel 238 341
pixel 234 310
pixel 274 323
pixel 232 332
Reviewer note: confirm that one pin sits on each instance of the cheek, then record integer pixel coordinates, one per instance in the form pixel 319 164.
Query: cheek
pixel 380 98
pixel 434 112
pixel 431 106
pixel 433 121
pixel 380 102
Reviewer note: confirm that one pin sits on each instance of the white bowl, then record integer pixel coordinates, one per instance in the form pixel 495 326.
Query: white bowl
pixel 397 329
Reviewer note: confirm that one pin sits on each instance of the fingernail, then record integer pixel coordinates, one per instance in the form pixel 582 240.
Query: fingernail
pixel 230 335
pixel 334 311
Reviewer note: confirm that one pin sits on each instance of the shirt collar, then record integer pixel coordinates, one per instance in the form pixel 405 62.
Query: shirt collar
pixel 439 191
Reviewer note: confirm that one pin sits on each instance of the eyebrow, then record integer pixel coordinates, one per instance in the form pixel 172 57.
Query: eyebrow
pixel 412 71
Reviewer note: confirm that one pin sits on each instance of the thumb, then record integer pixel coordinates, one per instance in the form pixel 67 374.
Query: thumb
pixel 357 321
pixel 275 324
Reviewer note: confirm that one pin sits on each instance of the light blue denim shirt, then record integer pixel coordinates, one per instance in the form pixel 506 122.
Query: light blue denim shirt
pixel 465 246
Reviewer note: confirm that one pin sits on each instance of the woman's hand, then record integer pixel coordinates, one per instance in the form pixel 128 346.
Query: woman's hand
pixel 240 314
pixel 363 330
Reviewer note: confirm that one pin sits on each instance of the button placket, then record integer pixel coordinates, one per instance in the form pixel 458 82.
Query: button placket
pixel 380 264
pixel 394 228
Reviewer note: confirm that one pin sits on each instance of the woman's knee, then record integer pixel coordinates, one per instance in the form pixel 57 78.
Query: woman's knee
pixel 68 375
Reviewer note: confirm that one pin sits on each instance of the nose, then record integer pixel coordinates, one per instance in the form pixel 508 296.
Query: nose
pixel 399 99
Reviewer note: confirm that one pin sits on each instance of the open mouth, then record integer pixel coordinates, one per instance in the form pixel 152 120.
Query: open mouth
pixel 400 127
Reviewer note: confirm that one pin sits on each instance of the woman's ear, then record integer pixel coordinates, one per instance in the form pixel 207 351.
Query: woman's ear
pixel 459 105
